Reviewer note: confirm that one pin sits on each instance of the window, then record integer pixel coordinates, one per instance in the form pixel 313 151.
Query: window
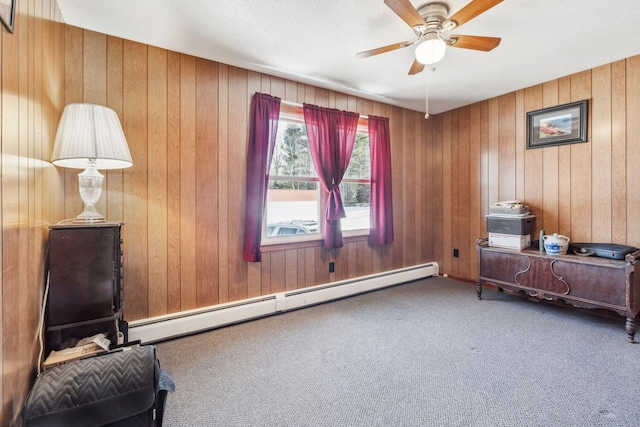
pixel 356 186
pixel 294 203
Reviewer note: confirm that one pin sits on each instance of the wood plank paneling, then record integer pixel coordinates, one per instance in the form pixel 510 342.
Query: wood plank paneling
pixel 207 176
pixel 464 193
pixel 173 230
pixel 278 271
pixel 633 150
pixel 157 193
pixel 136 201
pixel 301 267
pixel 238 135
pixel 309 267
pixel 581 183
pixel 291 269
pixel 32 191
pixel 397 159
pixel 13 344
pixel 485 160
pixel 188 232
pixel 436 231
pixel 506 147
pixel 520 142
pixel 447 190
pixel 426 193
pixel 222 164
pixel 601 154
pixel 454 212
pixel 265 279
pixel 476 217
pixel 618 153
pixel 409 220
pixel 95 68
pixel 419 161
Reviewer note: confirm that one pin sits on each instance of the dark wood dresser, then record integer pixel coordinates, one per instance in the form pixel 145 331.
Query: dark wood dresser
pixel 85 282
pixel 584 282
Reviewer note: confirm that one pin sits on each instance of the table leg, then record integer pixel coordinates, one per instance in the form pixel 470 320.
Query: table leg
pixel 631 327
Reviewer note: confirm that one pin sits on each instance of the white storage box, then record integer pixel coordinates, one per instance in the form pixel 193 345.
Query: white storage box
pixel 510 241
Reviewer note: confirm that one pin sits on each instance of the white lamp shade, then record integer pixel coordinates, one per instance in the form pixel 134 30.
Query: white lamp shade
pixel 89 131
pixel 431 50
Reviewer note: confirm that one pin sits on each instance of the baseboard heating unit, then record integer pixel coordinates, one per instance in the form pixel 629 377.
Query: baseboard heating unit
pixel 188 322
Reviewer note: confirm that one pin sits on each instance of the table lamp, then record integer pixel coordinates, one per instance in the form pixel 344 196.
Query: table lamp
pixel 90 137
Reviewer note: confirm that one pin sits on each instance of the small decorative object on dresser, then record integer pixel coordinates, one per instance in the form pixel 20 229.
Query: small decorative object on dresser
pixel 556 244
pixel 584 282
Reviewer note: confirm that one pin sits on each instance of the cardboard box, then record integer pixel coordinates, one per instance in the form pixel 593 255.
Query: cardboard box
pixel 510 241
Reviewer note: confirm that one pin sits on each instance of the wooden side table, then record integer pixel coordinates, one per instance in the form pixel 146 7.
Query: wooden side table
pixel 85 283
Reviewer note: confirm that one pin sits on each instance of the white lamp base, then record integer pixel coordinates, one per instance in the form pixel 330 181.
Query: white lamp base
pixel 89 215
pixel 90 182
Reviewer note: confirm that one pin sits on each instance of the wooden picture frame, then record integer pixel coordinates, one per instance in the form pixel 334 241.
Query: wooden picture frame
pixel 564 124
pixel 8 14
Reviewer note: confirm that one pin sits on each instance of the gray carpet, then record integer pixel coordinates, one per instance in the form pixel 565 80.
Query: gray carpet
pixel 427 353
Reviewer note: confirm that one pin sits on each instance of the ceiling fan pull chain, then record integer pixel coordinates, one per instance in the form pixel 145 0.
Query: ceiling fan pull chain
pixel 426 114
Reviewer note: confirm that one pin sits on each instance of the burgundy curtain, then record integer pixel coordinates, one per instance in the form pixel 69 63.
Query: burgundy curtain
pixel 265 113
pixel 381 231
pixel 331 134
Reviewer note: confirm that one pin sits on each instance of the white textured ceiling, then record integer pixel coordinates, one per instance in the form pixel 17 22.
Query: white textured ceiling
pixel 315 42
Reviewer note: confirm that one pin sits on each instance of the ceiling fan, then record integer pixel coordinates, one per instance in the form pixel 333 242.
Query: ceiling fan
pixel 429 22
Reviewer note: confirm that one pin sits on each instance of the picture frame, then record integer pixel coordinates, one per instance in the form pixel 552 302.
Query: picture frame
pixel 8 14
pixel 564 124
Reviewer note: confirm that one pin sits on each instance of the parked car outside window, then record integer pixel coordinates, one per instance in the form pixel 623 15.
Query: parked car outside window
pixel 290 228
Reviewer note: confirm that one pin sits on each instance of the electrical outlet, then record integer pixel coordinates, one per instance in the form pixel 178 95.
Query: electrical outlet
pixel 332 267
pixel 455 253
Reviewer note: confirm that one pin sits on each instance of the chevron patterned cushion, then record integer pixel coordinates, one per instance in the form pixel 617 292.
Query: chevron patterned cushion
pixel 116 388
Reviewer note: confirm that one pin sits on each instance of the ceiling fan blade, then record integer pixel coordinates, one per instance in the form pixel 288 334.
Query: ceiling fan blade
pixel 470 11
pixel 475 42
pixel 416 67
pixel 405 10
pixel 384 49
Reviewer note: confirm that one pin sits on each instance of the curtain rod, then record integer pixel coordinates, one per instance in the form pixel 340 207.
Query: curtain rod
pixel 295 104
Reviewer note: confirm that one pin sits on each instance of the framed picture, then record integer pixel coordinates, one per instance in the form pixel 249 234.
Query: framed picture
pixel 8 13
pixel 564 124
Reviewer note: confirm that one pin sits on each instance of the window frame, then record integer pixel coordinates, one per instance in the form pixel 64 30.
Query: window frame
pixel 294 113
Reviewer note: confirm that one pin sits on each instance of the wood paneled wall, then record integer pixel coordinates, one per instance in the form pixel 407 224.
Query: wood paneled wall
pixel 31 81
pixel 186 120
pixel 585 191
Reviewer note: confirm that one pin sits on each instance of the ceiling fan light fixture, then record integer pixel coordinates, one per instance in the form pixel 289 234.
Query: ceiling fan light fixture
pixel 431 50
